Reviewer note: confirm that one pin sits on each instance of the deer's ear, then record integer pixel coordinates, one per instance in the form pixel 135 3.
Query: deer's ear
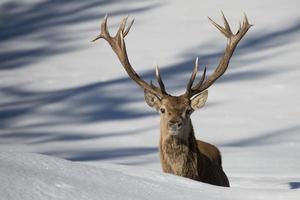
pixel 199 100
pixel 152 100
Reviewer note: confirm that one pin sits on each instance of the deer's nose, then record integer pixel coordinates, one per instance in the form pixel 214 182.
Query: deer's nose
pixel 175 124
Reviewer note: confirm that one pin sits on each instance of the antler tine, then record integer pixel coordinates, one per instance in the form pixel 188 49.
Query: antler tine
pixel 246 20
pixel 244 26
pixel 240 26
pixel 199 84
pixel 122 25
pixel 226 30
pixel 104 32
pixel 159 80
pixel 226 24
pixel 122 29
pixel 220 28
pixel 128 27
pixel 196 89
pixel 117 43
pixel 192 78
pixel 121 34
pixel 233 40
pixel 104 26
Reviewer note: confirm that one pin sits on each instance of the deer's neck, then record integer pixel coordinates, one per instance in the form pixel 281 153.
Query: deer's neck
pixel 179 154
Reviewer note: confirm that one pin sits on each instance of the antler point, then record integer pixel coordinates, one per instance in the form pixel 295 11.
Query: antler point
pixel 97 38
pixel 125 19
pixel 157 72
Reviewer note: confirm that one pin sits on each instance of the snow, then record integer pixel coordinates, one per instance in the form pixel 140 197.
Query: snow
pixel 33 176
pixel 68 98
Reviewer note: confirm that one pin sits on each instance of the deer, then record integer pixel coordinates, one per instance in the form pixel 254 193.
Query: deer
pixel 180 152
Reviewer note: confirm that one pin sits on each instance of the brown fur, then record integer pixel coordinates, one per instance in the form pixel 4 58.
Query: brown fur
pixel 182 154
pixel 193 159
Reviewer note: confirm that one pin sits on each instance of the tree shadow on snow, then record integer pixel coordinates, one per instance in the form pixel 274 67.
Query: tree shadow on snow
pixel 96 102
pixel 50 24
pixel 269 138
pixel 294 185
pixel 94 155
pixel 42 137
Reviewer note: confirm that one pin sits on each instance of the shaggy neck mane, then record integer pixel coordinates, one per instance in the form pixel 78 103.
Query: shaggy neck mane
pixel 180 155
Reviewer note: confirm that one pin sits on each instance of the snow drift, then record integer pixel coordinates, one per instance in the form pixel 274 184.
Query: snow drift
pixel 29 176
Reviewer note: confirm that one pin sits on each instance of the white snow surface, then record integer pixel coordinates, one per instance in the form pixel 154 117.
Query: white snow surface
pixel 70 100
pixel 33 176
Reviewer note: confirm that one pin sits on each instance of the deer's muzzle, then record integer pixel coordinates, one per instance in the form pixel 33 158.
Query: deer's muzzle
pixel 174 126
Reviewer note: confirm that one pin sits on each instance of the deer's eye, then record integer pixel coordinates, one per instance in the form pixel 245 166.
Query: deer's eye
pixel 188 111
pixel 162 110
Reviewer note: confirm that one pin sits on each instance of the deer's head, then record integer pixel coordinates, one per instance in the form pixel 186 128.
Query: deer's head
pixel 175 110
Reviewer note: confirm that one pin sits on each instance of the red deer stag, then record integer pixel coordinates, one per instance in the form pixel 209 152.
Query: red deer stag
pixel 180 153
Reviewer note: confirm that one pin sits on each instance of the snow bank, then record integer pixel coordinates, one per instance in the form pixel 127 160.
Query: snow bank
pixel 29 176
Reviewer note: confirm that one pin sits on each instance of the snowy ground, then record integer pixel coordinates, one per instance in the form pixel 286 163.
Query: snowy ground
pixel 33 176
pixel 63 96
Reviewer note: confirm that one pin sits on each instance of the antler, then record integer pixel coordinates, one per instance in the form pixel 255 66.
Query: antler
pixel 117 43
pixel 232 42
